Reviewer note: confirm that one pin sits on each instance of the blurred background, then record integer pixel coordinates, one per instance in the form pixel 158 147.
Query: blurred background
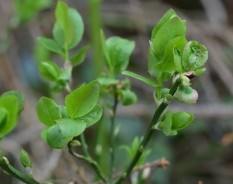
pixel 200 153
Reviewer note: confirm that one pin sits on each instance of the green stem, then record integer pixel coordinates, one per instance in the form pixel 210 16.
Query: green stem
pixel 88 158
pixel 14 172
pixel 148 135
pixel 112 135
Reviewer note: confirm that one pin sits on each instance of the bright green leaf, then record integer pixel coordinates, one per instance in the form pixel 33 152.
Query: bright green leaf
pixel 25 160
pixel 82 100
pixel 78 27
pixel 51 45
pixel 181 119
pixel 92 117
pixel 166 121
pixel 79 57
pixel 177 60
pixel 170 30
pixel 119 51
pixel 167 63
pixel 200 71
pixel 58 34
pixel 166 17
pixel 9 104
pixel 139 77
pixel 48 111
pixel 105 49
pixel 105 81
pixel 70 127
pixel 64 21
pixel 19 97
pixel 64 77
pixel 49 70
pixel 194 56
pixel 55 138
pixel 63 111
pixel 43 134
pixel 3 117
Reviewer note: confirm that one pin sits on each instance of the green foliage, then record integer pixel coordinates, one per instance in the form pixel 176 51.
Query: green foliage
pixel 128 97
pixel 11 104
pixel 133 150
pixel 66 122
pixel 79 57
pixel 25 10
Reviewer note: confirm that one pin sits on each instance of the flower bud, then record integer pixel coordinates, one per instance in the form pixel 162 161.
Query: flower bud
pixel 25 160
pixel 187 94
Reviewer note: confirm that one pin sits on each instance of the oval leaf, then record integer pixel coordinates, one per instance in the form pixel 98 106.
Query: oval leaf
pixel 128 97
pixel 82 100
pixel 79 57
pixel 181 119
pixel 92 117
pixel 48 111
pixel 49 70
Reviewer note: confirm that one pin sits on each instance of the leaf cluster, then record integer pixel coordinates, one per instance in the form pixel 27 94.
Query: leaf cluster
pixel 66 122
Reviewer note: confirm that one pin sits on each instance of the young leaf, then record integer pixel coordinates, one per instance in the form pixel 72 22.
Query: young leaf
pixel 92 117
pixel 64 77
pixel 170 30
pixel 105 49
pixel 9 104
pixel 166 17
pixel 78 27
pixel 139 77
pixel 167 63
pixel 43 134
pixel 70 127
pixel 49 70
pixel 128 97
pixel 51 45
pixel 105 81
pixel 48 111
pixel 25 160
pixel 194 56
pixel 200 71
pixel 64 21
pixel 79 57
pixel 82 100
pixel 3 117
pixel 19 97
pixel 181 119
pixel 119 51
pixel 63 111
pixel 177 60
pixel 55 138
pixel 58 34
pixel 152 61
pixel 166 122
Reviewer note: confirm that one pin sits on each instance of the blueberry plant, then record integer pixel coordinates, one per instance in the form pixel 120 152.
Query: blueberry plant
pixel 171 57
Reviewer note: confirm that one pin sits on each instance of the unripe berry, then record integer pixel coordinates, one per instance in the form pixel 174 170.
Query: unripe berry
pixel 187 94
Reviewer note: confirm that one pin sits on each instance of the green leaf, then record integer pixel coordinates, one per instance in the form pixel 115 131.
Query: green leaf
pixel 105 81
pixel 49 70
pixel 64 77
pixel 25 160
pixel 19 97
pixel 92 117
pixel 194 56
pixel 167 63
pixel 181 119
pixel 119 51
pixel 139 77
pixel 43 134
pixel 82 100
pixel 55 138
pixel 177 59
pixel 79 57
pixel 200 71
pixel 9 104
pixel 128 97
pixel 3 117
pixel 170 30
pixel 166 122
pixel 152 60
pixel 166 17
pixel 105 49
pixel 51 45
pixel 63 111
pixel 78 27
pixel 70 127
pixel 48 111
pixel 64 21
pixel 58 34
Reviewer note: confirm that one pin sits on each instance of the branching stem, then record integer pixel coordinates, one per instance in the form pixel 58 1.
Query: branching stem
pixel 148 135
pixel 17 174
